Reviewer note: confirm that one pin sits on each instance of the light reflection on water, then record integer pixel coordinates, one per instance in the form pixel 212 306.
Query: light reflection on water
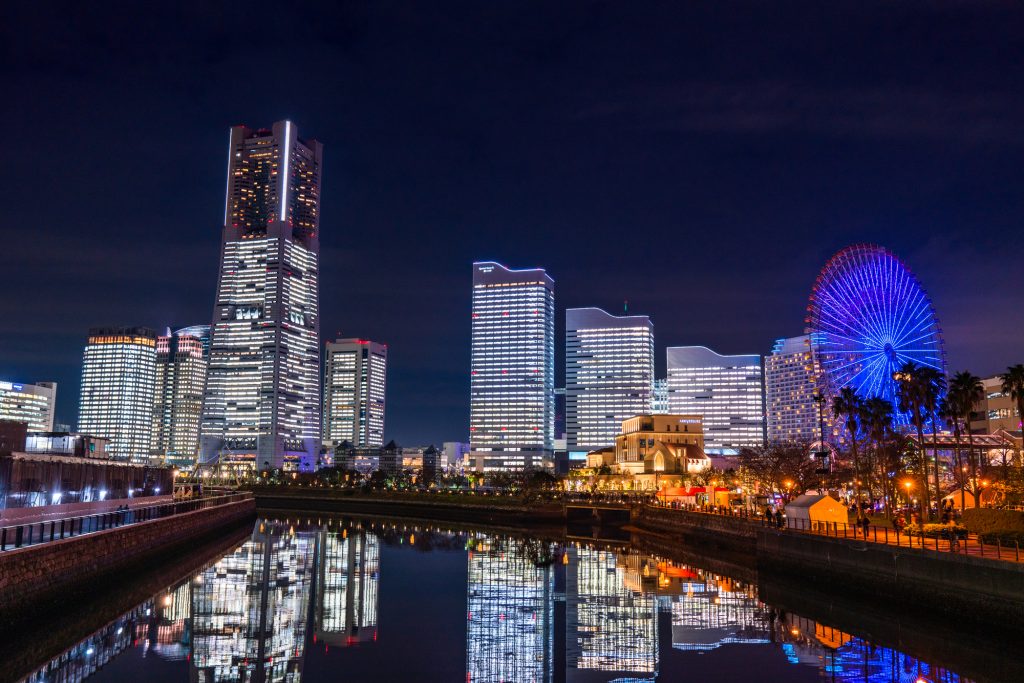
pixel 537 611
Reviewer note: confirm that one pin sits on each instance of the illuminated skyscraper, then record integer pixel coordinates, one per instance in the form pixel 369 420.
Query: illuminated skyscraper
pixel 180 380
pixel 790 383
pixel 118 380
pixel 726 390
pixel 609 375
pixel 355 371
pixel 512 378
pixel 262 402
pixel 28 403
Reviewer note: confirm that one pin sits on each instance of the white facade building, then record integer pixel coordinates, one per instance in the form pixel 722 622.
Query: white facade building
pixel 118 386
pixel 28 403
pixel 727 391
pixel 177 410
pixel 355 373
pixel 609 375
pixel 790 381
pixel 512 368
pixel 262 400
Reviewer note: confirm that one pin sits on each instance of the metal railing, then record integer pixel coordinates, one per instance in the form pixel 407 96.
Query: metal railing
pixel 35 533
pixel 944 541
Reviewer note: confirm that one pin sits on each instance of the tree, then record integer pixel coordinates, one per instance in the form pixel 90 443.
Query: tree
pixel 965 391
pixel 780 468
pixel 848 405
pixel 876 417
pixel 911 399
pixel 933 385
pixel 1013 384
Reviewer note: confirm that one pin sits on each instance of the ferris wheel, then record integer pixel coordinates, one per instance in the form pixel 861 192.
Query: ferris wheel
pixel 867 316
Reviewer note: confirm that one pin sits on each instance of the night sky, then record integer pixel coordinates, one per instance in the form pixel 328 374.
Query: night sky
pixel 702 160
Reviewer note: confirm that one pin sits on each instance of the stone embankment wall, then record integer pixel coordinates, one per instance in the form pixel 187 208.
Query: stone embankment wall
pixel 737 532
pixel 72 566
pixel 458 510
pixel 963 587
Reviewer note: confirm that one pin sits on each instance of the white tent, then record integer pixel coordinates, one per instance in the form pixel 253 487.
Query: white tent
pixel 809 511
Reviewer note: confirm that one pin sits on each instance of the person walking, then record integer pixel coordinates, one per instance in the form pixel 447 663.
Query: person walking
pixel 865 523
pixel 778 519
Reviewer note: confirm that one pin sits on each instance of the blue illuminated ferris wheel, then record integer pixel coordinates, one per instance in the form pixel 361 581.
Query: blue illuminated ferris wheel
pixel 867 316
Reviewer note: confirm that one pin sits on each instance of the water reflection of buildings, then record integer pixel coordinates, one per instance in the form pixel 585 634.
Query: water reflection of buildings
pixel 249 610
pixel 348 585
pixel 711 611
pixel 536 614
pixel 509 615
pixel 843 657
pixel 612 621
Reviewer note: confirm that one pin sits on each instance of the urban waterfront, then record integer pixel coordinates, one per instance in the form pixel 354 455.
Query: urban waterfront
pixel 354 600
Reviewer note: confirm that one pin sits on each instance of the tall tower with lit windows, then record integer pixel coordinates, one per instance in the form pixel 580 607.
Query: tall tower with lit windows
pixel 512 368
pixel 355 371
pixel 609 375
pixel 261 407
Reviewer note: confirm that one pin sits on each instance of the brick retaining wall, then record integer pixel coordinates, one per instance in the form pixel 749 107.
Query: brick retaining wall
pixel 72 565
pixel 958 585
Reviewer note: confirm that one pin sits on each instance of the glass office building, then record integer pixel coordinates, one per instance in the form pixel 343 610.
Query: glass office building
pixel 180 380
pixel 512 368
pixel 791 383
pixel 727 391
pixel 118 387
pixel 609 375
pixel 262 400
pixel 355 373
pixel 28 403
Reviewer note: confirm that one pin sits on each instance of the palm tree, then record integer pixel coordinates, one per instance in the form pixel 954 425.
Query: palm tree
pixel 876 416
pixel 1013 384
pixel 950 411
pixel 848 405
pixel 967 391
pixel 933 385
pixel 911 400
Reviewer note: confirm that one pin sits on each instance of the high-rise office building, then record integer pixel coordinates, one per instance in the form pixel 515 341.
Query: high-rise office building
pixel 262 401
pixel 355 371
pixel 790 383
pixel 512 371
pixel 200 332
pixel 609 375
pixel 659 397
pixel 28 403
pixel 118 384
pixel 177 409
pixel 727 391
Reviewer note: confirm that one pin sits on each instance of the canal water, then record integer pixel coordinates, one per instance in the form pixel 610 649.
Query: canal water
pixel 351 600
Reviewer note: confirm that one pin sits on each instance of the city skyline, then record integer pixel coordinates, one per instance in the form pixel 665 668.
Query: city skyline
pixel 749 162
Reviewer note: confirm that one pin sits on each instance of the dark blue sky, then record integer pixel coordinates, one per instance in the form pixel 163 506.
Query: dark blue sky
pixel 702 160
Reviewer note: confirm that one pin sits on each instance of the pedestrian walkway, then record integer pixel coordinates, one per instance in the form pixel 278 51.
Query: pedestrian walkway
pixel 971 546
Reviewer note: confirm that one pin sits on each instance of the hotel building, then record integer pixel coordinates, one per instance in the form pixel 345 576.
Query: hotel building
pixel 28 403
pixel 118 387
pixel 355 371
pixel 997 411
pixel 262 401
pixel 512 368
pixel 791 380
pixel 727 391
pixel 180 380
pixel 609 375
